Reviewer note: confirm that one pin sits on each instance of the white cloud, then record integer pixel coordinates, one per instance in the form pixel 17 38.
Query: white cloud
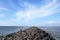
pixel 5 9
pixel 2 15
pixel 7 23
pixel 12 19
pixel 32 11
pixel 51 23
pixel 3 23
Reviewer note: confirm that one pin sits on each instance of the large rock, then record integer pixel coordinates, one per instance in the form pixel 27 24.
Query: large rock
pixel 32 33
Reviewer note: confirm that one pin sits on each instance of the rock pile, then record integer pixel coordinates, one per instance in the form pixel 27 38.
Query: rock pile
pixel 32 33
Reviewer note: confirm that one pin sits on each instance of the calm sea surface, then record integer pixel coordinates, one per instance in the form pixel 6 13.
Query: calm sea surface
pixel 54 31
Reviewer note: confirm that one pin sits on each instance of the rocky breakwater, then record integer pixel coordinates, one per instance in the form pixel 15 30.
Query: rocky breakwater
pixel 32 33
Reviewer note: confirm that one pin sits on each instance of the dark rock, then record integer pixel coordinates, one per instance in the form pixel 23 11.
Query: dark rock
pixel 32 33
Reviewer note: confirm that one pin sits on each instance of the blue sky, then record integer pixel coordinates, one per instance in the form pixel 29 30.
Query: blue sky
pixel 29 12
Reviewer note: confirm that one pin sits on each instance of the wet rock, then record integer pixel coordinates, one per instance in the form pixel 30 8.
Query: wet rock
pixel 2 37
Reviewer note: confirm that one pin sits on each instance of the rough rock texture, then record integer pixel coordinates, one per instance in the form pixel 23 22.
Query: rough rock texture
pixel 32 33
